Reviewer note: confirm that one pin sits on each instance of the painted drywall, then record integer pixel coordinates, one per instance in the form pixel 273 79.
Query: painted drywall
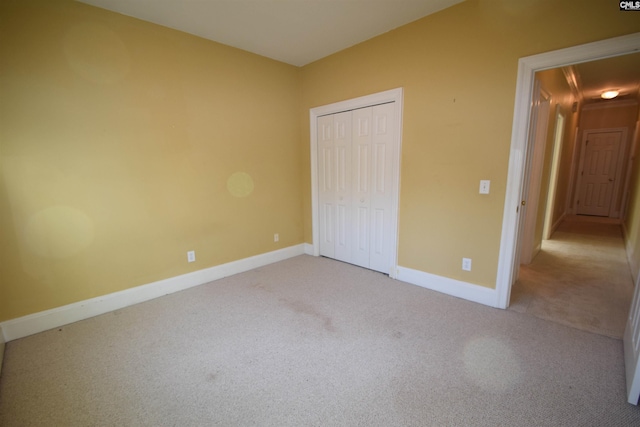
pixel 458 69
pixel 632 218
pixel 125 144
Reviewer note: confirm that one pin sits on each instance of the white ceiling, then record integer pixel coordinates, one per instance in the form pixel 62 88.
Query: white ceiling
pixel 621 73
pixel 302 31
pixel 293 31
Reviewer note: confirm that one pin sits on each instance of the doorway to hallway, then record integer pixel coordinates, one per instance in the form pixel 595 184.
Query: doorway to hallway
pixel 580 278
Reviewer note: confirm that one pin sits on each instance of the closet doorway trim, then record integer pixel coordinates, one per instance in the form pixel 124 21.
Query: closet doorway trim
pixel 393 95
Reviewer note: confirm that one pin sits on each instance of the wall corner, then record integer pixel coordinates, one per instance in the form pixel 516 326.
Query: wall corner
pixel 1 349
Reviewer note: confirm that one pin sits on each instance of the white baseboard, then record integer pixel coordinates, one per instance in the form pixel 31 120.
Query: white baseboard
pixel 49 319
pixel 448 286
pixel 633 265
pixel 556 224
pixel 308 248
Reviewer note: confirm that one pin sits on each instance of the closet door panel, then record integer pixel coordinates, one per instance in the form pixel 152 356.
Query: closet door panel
pixel 343 199
pixel 361 173
pixel 326 186
pixel 355 175
pixel 381 231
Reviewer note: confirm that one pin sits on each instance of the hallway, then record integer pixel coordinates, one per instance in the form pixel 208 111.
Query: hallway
pixel 580 278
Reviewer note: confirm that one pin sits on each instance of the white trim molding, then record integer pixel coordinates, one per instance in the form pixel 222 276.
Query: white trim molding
pixel 527 67
pixel 445 285
pixel 60 316
pixel 308 248
pixel 634 267
pixel 611 104
pixel 556 224
pixel 392 95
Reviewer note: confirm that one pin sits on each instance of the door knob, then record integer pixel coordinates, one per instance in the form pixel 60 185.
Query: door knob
pixel 610 179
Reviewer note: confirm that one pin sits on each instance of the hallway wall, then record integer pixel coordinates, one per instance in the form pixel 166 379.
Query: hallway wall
pixel 631 224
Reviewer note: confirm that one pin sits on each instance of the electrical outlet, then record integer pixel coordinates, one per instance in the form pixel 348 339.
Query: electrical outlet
pixel 466 264
pixel 485 185
pixel 191 256
pixel 276 237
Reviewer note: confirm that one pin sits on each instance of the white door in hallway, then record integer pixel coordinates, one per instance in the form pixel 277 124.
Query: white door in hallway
pixel 355 173
pixel 599 171
pixel 631 342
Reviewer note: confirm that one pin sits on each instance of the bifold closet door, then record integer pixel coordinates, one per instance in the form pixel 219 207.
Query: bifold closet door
pixel 372 194
pixel 355 174
pixel 334 177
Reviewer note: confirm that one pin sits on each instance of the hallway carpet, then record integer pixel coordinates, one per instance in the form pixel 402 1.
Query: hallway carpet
pixel 581 279
pixel 314 342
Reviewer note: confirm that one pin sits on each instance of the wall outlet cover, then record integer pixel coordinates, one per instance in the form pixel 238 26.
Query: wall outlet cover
pixel 485 186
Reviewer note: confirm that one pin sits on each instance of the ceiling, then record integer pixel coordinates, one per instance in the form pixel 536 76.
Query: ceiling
pixel 299 32
pixel 621 73
pixel 293 31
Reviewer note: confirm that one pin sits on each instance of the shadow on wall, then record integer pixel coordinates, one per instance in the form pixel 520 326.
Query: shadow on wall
pixel 1 349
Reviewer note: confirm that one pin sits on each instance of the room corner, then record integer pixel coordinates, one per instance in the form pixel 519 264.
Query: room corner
pixel 1 349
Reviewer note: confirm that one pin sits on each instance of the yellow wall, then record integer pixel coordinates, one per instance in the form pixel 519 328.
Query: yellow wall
pixel 632 218
pixel 458 69
pixel 118 139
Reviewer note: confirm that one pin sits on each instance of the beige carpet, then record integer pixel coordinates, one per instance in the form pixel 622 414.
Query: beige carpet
pixel 581 278
pixel 314 342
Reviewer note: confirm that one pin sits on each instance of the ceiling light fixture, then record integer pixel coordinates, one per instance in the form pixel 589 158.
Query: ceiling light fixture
pixel 609 94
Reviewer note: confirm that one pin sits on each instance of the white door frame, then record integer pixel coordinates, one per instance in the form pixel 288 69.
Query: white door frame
pixel 631 346
pixel 539 128
pixel 393 95
pixel 527 67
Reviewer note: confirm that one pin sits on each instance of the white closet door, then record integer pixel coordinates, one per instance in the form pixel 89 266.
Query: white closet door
pixel 361 173
pixel 326 186
pixel 381 187
pixel 342 143
pixel 334 157
pixel 355 175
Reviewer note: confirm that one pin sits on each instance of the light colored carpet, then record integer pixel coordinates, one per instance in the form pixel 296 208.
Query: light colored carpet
pixel 314 342
pixel 581 278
